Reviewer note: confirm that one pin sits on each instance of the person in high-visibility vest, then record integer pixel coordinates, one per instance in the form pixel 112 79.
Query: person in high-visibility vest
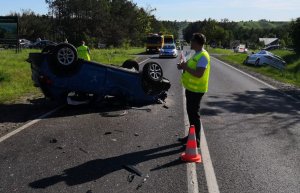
pixel 84 52
pixel 195 79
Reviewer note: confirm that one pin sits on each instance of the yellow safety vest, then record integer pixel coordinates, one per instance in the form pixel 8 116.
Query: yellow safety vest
pixel 192 83
pixel 83 53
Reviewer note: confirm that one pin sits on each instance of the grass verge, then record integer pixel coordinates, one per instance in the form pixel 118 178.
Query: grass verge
pixel 15 72
pixel 290 75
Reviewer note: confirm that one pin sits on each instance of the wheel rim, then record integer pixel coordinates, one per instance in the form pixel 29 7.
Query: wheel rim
pixel 155 71
pixel 65 56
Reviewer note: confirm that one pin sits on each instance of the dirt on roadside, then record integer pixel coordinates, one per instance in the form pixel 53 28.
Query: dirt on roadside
pixel 17 113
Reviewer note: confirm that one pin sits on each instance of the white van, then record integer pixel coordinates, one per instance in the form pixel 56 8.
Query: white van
pixel 241 48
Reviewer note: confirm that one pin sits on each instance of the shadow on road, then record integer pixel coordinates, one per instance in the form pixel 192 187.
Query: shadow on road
pixel 267 112
pixel 252 102
pixel 28 110
pixel 95 169
pixel 20 113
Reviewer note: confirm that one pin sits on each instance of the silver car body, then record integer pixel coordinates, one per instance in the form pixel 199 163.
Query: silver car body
pixel 264 57
pixel 168 50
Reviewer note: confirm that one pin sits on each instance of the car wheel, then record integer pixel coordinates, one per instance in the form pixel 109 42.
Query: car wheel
pixel 152 71
pixel 246 60
pixel 65 54
pixel 257 62
pixel 129 64
pixel 64 61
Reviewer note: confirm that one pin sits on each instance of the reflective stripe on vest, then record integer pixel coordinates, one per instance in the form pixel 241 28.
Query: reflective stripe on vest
pixel 193 83
pixel 83 53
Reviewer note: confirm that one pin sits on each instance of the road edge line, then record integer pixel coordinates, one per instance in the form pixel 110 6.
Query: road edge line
pixel 12 133
pixel 261 81
pixel 210 175
pixel 192 179
pixel 144 60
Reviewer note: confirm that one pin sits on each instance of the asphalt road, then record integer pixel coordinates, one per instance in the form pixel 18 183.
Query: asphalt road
pixel 252 132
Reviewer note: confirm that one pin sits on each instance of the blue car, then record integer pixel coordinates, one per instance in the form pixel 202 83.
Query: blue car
pixel 64 77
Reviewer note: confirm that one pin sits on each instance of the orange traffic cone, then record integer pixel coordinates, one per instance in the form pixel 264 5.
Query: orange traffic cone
pixel 191 152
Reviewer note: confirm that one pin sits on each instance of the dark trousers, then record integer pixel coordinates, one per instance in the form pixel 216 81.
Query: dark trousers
pixel 193 101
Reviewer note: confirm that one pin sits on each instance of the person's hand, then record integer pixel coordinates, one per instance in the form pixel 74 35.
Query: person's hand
pixel 179 67
pixel 183 65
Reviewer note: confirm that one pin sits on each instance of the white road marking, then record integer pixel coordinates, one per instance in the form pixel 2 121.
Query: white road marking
pixel 210 175
pixel 144 60
pixel 191 167
pixel 211 179
pixel 29 124
pixel 268 85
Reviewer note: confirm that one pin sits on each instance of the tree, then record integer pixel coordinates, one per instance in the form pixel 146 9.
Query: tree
pixel 295 31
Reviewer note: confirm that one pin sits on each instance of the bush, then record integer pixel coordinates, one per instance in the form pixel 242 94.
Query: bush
pixel 295 34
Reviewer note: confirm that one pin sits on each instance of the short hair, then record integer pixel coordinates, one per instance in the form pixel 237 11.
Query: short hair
pixel 199 38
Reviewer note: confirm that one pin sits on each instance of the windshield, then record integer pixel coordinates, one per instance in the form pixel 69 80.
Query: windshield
pixel 169 47
pixel 154 40
pixel 169 40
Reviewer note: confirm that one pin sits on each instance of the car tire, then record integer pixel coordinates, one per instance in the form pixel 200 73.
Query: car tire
pixel 257 62
pixel 246 60
pixel 65 54
pixel 129 64
pixel 153 72
pixel 64 60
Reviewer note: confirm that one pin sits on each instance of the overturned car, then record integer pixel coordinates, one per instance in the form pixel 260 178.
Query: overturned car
pixel 62 76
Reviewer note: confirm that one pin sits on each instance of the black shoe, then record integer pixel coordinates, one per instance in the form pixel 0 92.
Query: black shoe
pixel 183 139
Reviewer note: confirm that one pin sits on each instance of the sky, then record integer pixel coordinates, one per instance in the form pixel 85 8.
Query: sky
pixel 191 10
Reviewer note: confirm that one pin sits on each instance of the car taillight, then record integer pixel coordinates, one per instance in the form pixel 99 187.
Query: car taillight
pixel 45 80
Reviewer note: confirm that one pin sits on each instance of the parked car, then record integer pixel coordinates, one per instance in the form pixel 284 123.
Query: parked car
pixel 41 44
pixel 60 73
pixel 24 43
pixel 264 57
pixel 168 50
pixel 241 49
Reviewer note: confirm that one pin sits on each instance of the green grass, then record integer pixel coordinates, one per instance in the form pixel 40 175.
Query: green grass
pixel 290 75
pixel 15 72
pixel 15 75
pixel 114 56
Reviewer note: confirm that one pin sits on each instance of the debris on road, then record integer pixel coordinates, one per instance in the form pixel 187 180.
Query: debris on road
pixel 107 133
pixel 53 140
pixel 165 106
pixel 130 177
pixel 141 109
pixel 83 150
pixel 132 169
pixel 141 184
pixel 114 114
pixel 114 140
pixel 136 134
